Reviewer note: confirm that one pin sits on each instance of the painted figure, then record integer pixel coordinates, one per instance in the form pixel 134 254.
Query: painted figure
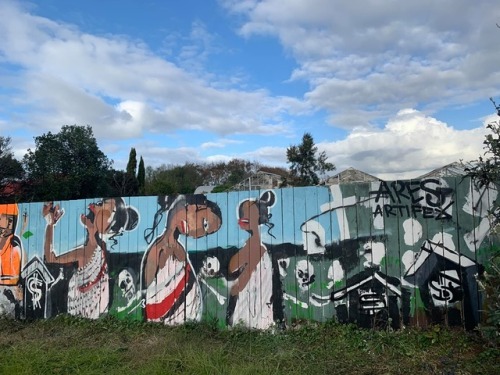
pixel 251 268
pixel 10 245
pixel 173 294
pixel 88 289
pixel 11 254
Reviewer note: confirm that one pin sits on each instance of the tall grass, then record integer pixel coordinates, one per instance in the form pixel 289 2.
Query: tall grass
pixel 66 345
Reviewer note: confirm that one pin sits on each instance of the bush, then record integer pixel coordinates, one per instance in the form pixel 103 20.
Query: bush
pixel 490 285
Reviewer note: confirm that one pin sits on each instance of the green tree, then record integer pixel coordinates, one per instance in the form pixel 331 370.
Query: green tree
pixel 11 173
pixel 173 179
pixel 224 175
pixel 132 162
pixel 487 168
pixel 9 166
pixel 121 184
pixel 158 181
pixel 141 177
pixel 67 165
pixel 129 179
pixel 306 163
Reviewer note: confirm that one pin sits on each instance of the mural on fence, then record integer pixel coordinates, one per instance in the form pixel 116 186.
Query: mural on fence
pixel 375 254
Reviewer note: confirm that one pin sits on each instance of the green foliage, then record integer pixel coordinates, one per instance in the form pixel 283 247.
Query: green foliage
pixel 11 171
pixel 128 182
pixel 306 163
pixel 227 173
pixel 166 180
pixel 486 171
pixel 141 177
pixel 489 282
pixel 122 184
pixel 67 165
pixel 185 179
pixel 487 168
pixel 132 162
pixel 9 166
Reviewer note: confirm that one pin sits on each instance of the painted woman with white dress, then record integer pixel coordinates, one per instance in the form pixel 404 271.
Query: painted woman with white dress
pixel 251 292
pixel 88 288
pixel 173 294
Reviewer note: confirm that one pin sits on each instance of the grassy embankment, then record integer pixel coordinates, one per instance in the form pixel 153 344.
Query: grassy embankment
pixel 67 345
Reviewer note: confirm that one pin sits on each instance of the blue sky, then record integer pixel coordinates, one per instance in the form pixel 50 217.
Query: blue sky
pixel 394 90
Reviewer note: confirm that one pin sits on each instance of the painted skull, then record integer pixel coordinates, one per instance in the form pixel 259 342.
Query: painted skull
pixel 210 267
pixel 304 273
pixel 126 284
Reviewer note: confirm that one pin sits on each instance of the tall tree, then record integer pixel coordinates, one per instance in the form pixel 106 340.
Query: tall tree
pixel 129 179
pixel 306 163
pixel 67 165
pixel 132 162
pixel 141 177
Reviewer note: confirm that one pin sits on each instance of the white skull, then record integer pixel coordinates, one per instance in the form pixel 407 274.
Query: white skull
pixel 210 267
pixel 126 284
pixel 304 273
pixel 335 273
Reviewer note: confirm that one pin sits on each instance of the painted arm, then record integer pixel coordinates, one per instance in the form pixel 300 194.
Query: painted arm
pixel 245 262
pixel 52 214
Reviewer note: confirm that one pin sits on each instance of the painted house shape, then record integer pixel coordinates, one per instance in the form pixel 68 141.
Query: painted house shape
pixel 37 282
pixel 370 298
pixel 447 282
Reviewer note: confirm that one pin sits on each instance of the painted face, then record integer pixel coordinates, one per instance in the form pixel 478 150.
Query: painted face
pixel 198 220
pixel 6 225
pixel 103 214
pixel 248 215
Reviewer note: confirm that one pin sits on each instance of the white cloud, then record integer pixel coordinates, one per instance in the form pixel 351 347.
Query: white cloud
pixel 383 56
pixel 360 64
pixel 221 143
pixel 409 145
pixel 119 86
pixel 272 156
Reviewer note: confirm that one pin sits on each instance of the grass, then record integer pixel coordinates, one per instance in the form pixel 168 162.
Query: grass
pixel 67 345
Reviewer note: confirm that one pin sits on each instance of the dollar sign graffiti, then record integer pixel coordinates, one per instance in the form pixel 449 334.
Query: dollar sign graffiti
pixel 36 293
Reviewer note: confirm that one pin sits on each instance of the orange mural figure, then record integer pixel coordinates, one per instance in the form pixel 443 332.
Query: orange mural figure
pixel 251 293
pixel 10 246
pixel 173 294
pixel 88 289
pixel 11 259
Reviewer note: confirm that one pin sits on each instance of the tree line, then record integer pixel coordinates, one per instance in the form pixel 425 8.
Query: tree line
pixel 69 165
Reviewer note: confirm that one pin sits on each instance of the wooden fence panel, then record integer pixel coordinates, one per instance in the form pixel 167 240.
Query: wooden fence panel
pixel 377 254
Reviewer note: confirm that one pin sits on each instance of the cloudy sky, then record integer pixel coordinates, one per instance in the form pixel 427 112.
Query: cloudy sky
pixel 394 88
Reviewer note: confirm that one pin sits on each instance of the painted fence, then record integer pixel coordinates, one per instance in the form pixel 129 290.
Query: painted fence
pixel 375 254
